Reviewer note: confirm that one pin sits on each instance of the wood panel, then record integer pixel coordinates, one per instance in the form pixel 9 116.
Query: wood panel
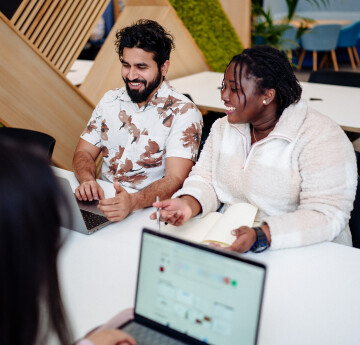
pixel 34 95
pixel 186 59
pixel 58 29
pixel 239 15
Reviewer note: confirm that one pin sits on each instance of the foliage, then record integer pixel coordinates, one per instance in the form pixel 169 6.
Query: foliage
pixel 265 31
pixel 211 30
pixel 292 4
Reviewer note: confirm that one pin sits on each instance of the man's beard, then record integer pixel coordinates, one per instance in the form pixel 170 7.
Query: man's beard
pixel 142 96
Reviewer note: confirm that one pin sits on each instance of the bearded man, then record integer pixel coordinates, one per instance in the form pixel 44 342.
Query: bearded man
pixel 148 133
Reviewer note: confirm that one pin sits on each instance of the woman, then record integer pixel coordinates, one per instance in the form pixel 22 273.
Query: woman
pixel 273 151
pixel 31 308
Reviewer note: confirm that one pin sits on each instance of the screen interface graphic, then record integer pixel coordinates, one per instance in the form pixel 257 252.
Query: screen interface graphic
pixel 210 297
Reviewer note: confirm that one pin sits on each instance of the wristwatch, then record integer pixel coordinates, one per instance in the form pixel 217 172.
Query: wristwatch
pixel 261 242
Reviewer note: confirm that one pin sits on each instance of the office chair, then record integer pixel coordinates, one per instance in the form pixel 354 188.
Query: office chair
pixel 289 42
pixel 321 38
pixel 354 222
pixel 348 37
pixel 27 136
pixel 335 78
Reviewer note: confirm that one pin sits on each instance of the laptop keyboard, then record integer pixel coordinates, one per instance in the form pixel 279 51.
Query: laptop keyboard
pixel 146 336
pixel 92 220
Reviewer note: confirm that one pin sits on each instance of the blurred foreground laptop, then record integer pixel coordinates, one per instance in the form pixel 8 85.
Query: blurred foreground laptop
pixel 189 293
pixel 85 217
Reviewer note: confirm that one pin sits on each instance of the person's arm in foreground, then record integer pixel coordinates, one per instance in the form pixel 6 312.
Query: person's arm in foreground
pixel 108 337
pixel 119 207
pixel 85 171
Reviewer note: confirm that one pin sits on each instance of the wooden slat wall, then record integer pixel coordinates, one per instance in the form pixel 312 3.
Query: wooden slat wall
pixel 34 95
pixel 186 59
pixel 59 29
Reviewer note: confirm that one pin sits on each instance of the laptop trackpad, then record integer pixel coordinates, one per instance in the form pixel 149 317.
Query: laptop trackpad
pixel 90 206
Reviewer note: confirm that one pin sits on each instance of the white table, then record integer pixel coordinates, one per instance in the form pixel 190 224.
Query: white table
pixel 341 103
pixel 79 71
pixel 312 294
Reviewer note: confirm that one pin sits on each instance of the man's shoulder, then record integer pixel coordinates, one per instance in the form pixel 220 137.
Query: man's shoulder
pixel 172 92
pixel 114 95
pixel 168 98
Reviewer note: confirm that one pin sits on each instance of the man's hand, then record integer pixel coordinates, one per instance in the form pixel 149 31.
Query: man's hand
pixel 89 191
pixel 118 207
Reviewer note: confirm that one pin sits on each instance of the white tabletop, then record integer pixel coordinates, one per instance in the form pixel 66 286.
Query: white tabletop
pixel 341 103
pixel 312 294
pixel 79 71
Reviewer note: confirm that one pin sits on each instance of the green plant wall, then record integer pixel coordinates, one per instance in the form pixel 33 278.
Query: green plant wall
pixel 211 30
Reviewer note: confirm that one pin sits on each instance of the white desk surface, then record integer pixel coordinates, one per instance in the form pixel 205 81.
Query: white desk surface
pixel 341 103
pixel 312 294
pixel 79 70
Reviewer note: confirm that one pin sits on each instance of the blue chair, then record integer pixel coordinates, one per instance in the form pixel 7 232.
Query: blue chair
pixel 321 38
pixel 347 39
pixel 289 42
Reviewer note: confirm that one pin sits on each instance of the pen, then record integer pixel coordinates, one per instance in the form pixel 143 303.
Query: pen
pixel 158 214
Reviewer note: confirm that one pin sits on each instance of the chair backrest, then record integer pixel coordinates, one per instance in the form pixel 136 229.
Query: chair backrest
pixel 348 35
pixel 322 37
pixel 59 29
pixel 354 222
pixel 289 40
pixel 335 78
pixel 27 136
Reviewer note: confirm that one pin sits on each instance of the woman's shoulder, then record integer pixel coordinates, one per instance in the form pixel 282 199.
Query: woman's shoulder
pixel 318 122
pixel 220 123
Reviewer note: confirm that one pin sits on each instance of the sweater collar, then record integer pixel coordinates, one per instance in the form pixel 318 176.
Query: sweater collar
pixel 288 125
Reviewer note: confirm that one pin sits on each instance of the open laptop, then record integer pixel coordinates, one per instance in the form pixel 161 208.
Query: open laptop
pixel 85 217
pixel 189 293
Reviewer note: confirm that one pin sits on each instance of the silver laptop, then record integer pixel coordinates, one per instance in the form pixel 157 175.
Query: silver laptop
pixel 189 293
pixel 85 217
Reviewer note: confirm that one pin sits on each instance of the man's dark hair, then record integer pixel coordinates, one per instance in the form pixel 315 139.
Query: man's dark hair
pixel 272 70
pixel 147 35
pixel 31 308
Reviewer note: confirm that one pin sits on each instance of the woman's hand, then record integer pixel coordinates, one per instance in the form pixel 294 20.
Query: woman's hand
pixel 111 337
pixel 245 238
pixel 177 211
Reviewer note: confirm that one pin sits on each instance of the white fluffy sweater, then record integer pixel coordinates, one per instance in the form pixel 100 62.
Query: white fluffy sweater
pixel 302 176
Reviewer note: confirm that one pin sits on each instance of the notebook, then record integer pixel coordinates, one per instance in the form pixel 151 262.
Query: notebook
pixel 188 293
pixel 85 217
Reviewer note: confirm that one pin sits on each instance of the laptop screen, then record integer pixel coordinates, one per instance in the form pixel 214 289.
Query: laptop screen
pixel 209 296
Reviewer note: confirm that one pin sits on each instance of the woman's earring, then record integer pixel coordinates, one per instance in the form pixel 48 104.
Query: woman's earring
pixel 264 101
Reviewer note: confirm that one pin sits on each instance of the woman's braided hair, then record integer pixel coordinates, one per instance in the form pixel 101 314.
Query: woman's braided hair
pixel 272 70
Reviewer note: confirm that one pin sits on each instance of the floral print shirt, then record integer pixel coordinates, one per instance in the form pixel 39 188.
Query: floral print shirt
pixel 136 141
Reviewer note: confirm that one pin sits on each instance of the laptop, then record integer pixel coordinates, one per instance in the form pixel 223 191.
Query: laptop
pixel 189 293
pixel 84 216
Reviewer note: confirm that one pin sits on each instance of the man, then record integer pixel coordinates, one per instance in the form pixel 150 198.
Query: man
pixel 148 133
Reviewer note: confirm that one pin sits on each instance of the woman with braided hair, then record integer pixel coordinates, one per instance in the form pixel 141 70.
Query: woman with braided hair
pixel 274 151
